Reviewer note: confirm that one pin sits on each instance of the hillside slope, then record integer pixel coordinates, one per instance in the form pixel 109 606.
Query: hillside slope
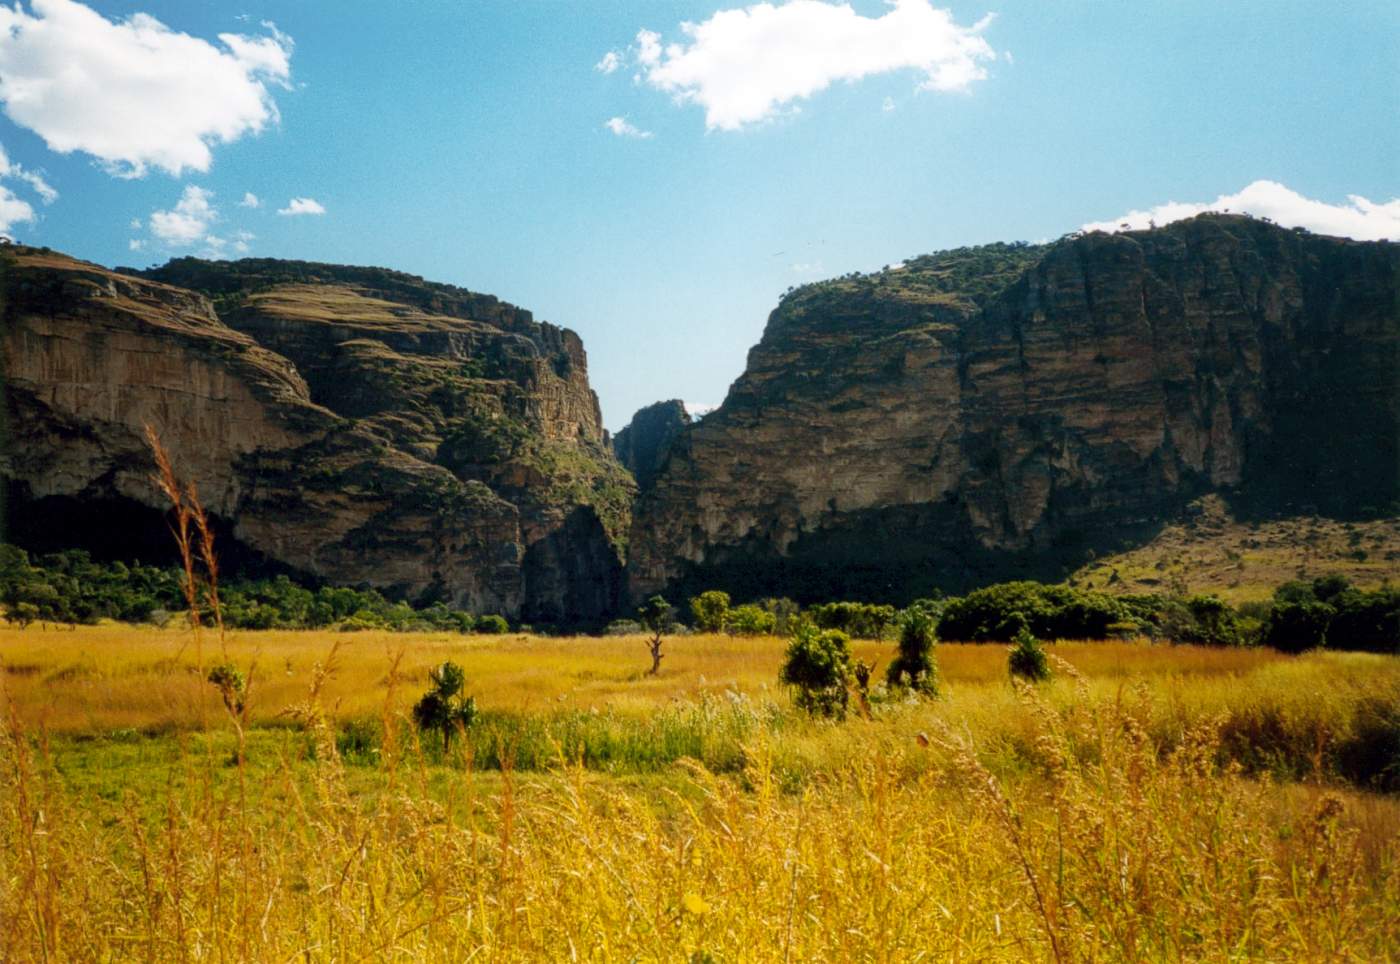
pixel 1011 410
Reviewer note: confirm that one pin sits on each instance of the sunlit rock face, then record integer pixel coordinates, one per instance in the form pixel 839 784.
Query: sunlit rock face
pixel 1006 410
pixel 356 425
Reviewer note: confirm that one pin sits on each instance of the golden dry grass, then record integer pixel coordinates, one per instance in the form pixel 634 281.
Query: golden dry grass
pixel 1212 552
pixel 95 678
pixel 912 850
pixel 1104 816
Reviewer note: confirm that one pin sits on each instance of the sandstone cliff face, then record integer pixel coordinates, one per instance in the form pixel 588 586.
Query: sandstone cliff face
pixel 642 446
pixel 1001 411
pixel 357 425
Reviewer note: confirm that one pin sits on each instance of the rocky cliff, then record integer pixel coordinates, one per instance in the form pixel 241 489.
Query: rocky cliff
pixel 1010 410
pixel 642 446
pixel 357 425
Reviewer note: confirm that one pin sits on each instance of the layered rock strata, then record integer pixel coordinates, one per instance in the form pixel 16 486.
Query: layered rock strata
pixel 355 425
pixel 1009 410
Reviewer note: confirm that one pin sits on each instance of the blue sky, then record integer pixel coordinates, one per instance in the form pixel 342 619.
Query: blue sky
pixel 470 142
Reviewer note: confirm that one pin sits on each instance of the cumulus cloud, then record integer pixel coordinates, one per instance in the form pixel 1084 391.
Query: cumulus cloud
pixel 301 205
pixel 189 221
pixel 747 64
pixel 250 200
pixel 13 208
pixel 622 128
pixel 190 224
pixel 133 93
pixel 1358 218
pixel 610 62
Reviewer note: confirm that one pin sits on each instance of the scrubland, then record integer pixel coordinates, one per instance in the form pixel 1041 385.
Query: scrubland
pixel 1152 802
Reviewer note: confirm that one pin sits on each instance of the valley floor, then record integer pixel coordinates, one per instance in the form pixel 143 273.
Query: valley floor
pixel 1151 802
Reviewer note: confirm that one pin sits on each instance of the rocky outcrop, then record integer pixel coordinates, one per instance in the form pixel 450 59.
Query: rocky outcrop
pixel 356 425
pixel 642 446
pixel 1008 410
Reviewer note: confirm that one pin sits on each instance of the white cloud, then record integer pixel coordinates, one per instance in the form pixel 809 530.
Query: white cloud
pixel 888 105
pixel 610 62
pixel 301 205
pixel 250 200
pixel 188 222
pixel 1359 218
pixel 13 208
pixel 698 409
pixel 134 93
pixel 622 128
pixel 135 244
pixel 745 65
pixel 135 224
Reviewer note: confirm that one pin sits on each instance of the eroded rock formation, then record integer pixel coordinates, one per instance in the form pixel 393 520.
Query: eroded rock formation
pixel 357 425
pixel 1003 411
pixel 643 444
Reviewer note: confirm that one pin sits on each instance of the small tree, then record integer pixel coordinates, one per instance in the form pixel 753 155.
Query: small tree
pixel 914 667
pixel 657 616
pixel 443 708
pixel 709 610
pixel 1027 659
pixel 23 613
pixel 818 665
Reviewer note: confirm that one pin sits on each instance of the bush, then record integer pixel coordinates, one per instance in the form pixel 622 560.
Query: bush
pixel 1027 659
pixel 1331 612
pixel 1052 612
pixel 709 610
pixel 492 625
pixel 624 627
pixel 750 621
pixel 860 620
pixel 443 708
pixel 818 666
pixel 1295 627
pixel 914 666
pixel 785 614
pixel 1205 620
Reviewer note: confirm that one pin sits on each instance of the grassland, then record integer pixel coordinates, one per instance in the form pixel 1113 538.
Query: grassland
pixel 1210 550
pixel 1151 803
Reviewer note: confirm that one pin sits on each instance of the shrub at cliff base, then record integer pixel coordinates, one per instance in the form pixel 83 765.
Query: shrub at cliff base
pixel 818 667
pixel 914 667
pixel 1052 612
pixel 855 619
pixel 750 620
pixel 1331 612
pixel 69 587
pixel 708 611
